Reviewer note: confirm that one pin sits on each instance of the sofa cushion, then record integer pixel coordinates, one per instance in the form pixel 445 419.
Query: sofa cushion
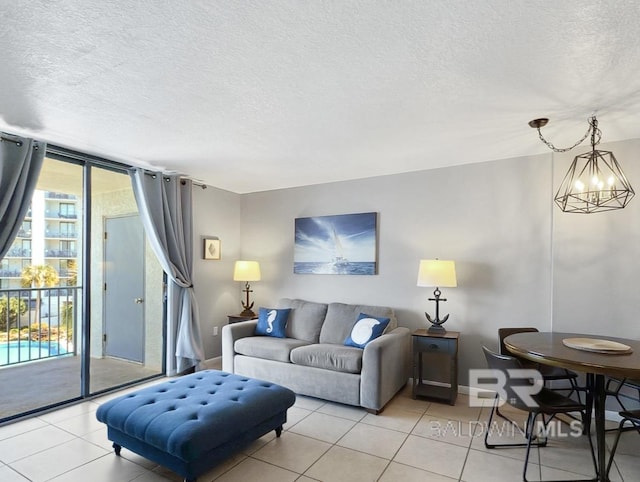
pixel 272 322
pixel 341 318
pixel 367 328
pixel 338 358
pixel 267 347
pixel 305 319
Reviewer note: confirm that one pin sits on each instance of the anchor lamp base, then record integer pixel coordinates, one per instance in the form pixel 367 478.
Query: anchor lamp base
pixel 436 324
pixel 436 330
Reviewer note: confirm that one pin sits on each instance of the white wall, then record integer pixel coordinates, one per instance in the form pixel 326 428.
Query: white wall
pixel 520 261
pixel 596 259
pixel 216 213
pixel 491 218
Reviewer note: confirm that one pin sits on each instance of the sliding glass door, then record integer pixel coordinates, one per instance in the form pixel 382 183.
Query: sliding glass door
pixel 81 308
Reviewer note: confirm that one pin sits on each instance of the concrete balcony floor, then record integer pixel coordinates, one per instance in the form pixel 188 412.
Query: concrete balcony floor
pixel 34 385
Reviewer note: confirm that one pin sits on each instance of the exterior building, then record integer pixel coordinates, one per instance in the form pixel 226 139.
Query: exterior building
pixel 49 236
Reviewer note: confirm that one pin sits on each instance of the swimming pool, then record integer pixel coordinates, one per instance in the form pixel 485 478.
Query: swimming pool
pixel 22 351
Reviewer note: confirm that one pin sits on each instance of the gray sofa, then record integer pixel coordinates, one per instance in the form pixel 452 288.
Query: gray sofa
pixel 313 360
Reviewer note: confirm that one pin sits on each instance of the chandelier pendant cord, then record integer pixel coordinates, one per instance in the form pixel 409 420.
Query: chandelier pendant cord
pixel 593 129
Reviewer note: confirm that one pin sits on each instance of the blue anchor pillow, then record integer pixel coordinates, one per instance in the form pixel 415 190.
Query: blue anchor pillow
pixel 272 322
pixel 367 328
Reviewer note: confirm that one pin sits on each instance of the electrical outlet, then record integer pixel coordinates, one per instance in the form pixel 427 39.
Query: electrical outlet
pixel 215 331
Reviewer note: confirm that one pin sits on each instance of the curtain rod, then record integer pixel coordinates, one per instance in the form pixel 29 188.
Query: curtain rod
pixel 195 183
pixel 17 142
pixel 182 178
pixel 53 149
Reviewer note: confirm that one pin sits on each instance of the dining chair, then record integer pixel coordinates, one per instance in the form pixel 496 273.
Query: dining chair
pixel 548 403
pixel 632 416
pixel 614 386
pixel 548 372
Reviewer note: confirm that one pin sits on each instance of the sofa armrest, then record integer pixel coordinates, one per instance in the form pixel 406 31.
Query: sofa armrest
pixel 385 368
pixel 231 333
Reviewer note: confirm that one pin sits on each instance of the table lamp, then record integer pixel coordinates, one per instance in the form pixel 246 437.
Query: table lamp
pixel 247 271
pixel 439 274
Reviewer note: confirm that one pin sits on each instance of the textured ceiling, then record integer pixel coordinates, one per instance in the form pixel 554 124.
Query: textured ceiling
pixel 258 95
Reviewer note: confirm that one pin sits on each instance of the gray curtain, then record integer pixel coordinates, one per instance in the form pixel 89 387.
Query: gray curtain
pixel 20 163
pixel 165 206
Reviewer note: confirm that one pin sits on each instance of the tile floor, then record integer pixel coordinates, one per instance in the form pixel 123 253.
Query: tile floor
pixel 412 440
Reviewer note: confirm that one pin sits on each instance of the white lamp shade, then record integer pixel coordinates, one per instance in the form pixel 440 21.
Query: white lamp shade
pixel 437 273
pixel 246 271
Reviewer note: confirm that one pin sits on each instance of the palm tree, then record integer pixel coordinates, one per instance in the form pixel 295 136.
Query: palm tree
pixel 67 319
pixel 10 310
pixel 72 268
pixel 39 276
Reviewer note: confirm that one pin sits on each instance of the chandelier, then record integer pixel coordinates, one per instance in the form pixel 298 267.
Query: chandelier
pixel 595 181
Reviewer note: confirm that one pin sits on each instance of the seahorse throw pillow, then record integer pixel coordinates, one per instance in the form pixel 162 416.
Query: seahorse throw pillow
pixel 272 322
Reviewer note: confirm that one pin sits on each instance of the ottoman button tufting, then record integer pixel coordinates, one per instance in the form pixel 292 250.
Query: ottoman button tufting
pixel 210 435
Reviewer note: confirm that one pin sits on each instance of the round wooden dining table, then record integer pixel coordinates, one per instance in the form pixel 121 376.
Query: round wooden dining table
pixel 549 349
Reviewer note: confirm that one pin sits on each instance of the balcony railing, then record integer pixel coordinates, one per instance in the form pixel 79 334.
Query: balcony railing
pixel 58 195
pixel 19 253
pixel 59 215
pixel 37 323
pixel 59 234
pixel 60 253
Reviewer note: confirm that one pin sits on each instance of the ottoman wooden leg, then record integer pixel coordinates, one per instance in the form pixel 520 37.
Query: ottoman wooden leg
pixel 279 431
pixel 117 448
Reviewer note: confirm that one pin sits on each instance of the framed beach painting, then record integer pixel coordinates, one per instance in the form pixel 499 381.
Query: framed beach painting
pixel 340 244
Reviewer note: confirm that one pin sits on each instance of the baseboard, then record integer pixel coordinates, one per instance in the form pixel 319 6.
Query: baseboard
pixel 212 363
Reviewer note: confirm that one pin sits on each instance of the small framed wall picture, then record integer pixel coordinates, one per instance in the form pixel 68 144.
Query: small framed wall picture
pixel 211 248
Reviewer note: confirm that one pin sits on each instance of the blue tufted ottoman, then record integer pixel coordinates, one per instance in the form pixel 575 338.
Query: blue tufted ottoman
pixel 194 422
